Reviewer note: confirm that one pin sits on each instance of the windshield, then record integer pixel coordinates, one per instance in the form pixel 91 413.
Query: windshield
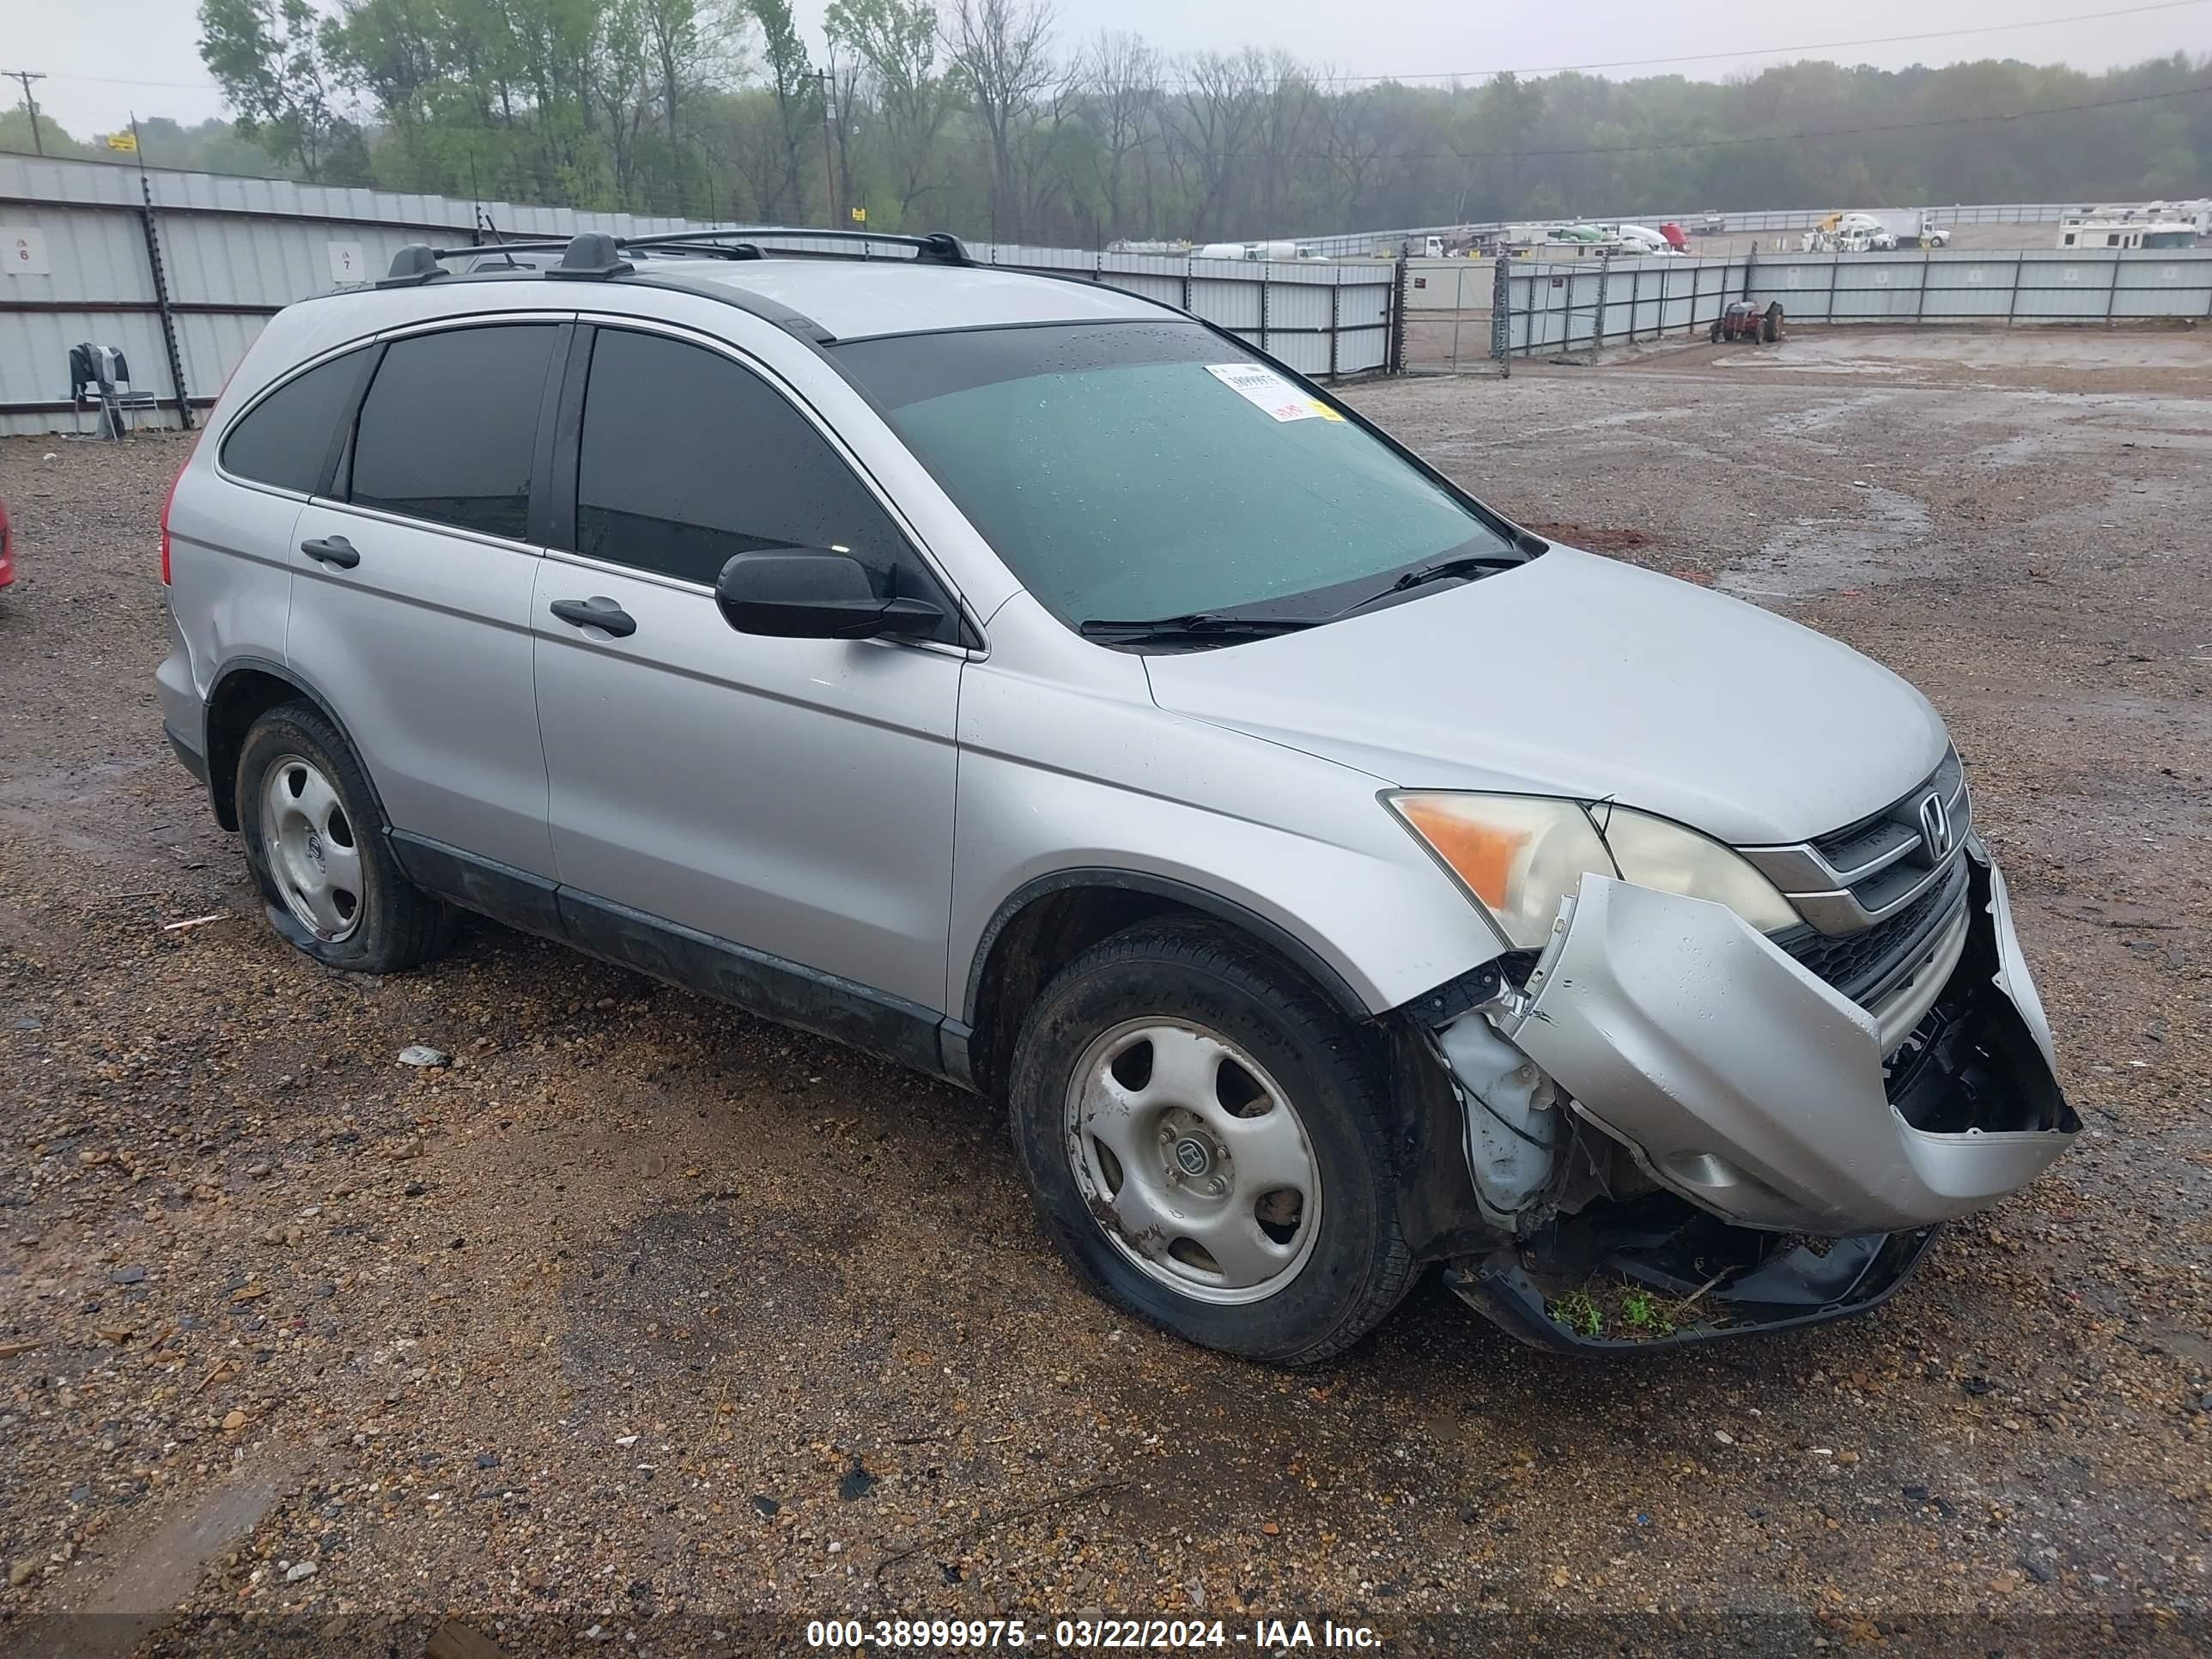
pixel 1140 471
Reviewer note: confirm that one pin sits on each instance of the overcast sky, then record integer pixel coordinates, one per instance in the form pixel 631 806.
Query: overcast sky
pixel 106 58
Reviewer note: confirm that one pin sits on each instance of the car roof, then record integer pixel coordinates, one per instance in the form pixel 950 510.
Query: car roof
pixel 859 299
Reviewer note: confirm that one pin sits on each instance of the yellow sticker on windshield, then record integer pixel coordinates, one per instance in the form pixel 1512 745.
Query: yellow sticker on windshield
pixel 1265 389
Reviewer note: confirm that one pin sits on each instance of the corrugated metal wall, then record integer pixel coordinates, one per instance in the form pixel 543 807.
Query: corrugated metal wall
pixel 1570 308
pixel 74 248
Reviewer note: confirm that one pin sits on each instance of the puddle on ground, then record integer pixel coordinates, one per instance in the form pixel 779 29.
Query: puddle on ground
pixel 1883 544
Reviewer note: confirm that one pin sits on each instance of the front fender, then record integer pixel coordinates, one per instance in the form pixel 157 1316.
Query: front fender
pixel 1060 779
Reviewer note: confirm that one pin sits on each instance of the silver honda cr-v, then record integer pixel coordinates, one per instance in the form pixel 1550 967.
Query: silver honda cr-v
pixel 1034 685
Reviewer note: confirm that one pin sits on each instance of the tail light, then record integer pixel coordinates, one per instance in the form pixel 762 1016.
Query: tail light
pixel 168 502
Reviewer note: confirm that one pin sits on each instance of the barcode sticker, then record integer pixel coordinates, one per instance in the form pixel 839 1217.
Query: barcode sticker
pixel 1264 389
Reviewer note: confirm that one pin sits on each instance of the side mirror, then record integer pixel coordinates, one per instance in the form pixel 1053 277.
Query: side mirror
pixel 814 596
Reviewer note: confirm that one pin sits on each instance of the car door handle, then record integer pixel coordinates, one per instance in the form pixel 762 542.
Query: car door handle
pixel 598 611
pixel 331 550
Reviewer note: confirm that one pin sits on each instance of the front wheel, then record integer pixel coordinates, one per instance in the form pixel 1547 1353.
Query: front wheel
pixel 1205 1140
pixel 315 840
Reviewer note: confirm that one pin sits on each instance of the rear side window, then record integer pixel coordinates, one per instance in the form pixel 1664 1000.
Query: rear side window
pixel 285 438
pixel 687 458
pixel 450 426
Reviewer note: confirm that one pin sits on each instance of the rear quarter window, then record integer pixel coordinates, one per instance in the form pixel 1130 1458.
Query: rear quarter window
pixel 286 439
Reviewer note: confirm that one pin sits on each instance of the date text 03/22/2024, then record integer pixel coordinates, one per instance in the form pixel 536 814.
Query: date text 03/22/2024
pixel 1260 1636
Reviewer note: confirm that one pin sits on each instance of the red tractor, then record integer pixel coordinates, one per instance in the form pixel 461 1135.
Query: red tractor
pixel 1747 320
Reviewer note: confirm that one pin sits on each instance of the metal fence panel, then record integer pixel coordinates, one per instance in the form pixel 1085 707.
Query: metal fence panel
pixel 235 250
pixel 90 256
pixel 35 359
pixel 1969 290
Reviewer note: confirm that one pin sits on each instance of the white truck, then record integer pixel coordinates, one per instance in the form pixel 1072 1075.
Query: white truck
pixel 1875 231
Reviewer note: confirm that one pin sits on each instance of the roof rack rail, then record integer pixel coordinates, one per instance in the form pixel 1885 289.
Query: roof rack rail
pixel 594 255
pixel 938 247
pixel 417 262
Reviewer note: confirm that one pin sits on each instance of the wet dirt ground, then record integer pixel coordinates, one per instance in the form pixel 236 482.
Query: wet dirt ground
pixel 647 1324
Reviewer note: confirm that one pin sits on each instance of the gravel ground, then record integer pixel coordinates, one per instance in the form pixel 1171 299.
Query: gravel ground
pixel 641 1321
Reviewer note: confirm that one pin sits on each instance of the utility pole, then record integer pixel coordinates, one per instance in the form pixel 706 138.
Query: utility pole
pixel 829 158
pixel 37 141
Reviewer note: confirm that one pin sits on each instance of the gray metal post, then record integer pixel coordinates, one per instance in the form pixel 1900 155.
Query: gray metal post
pixel 1335 324
pixel 1835 269
pixel 1501 317
pixel 1396 363
pixel 161 303
pixel 1920 299
pixel 1597 317
pixel 2012 299
pixel 2112 291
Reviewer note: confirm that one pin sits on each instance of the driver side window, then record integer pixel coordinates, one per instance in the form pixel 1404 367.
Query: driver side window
pixel 686 458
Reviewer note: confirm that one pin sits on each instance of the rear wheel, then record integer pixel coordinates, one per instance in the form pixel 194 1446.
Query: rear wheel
pixel 315 840
pixel 1770 329
pixel 1714 335
pixel 1204 1140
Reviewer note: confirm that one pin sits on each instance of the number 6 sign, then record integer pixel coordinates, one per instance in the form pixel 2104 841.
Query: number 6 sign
pixel 23 252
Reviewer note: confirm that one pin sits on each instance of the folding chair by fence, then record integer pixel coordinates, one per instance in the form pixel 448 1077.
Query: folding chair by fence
pixel 99 379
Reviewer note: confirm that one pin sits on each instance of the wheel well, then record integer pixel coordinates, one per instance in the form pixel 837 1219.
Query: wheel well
pixel 1050 930
pixel 238 699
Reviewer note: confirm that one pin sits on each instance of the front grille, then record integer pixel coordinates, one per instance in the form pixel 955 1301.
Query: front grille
pixel 1875 870
pixel 1890 839
pixel 1864 965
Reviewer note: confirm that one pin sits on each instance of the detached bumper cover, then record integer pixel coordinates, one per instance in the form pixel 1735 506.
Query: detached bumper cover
pixel 1705 1287
pixel 1745 1084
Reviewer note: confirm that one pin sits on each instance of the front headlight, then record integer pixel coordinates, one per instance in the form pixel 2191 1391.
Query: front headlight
pixel 1521 854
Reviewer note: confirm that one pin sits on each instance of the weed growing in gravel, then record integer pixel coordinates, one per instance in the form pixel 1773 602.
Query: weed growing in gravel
pixel 1643 1314
pixel 1579 1313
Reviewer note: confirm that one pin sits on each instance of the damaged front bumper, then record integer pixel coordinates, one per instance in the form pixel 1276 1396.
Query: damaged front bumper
pixel 1668 1277
pixel 1739 1080
pixel 1745 1087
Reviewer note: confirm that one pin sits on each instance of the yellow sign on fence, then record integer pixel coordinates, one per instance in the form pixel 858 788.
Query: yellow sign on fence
pixel 859 215
pixel 127 141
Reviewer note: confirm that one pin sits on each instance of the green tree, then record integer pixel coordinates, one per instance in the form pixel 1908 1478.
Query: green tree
pixel 798 97
pixel 267 57
pixel 896 41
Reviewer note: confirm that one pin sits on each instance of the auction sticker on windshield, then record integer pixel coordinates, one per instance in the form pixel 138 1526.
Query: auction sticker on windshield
pixel 1271 392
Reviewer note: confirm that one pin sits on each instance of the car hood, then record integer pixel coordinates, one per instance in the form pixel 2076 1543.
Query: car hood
pixel 1575 675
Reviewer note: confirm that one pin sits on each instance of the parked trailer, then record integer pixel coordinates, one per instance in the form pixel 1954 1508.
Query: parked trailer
pixel 2128 233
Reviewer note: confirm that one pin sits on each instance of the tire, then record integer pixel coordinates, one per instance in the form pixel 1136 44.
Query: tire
pixel 1770 328
pixel 1276 1086
pixel 315 841
pixel 1714 335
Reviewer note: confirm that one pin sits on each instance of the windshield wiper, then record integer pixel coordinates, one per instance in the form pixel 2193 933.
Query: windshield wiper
pixel 1469 565
pixel 1203 624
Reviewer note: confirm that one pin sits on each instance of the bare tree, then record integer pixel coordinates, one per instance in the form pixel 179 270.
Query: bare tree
pixel 1290 112
pixel 1223 106
pixel 1122 74
pixel 1001 54
pixel 1356 139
